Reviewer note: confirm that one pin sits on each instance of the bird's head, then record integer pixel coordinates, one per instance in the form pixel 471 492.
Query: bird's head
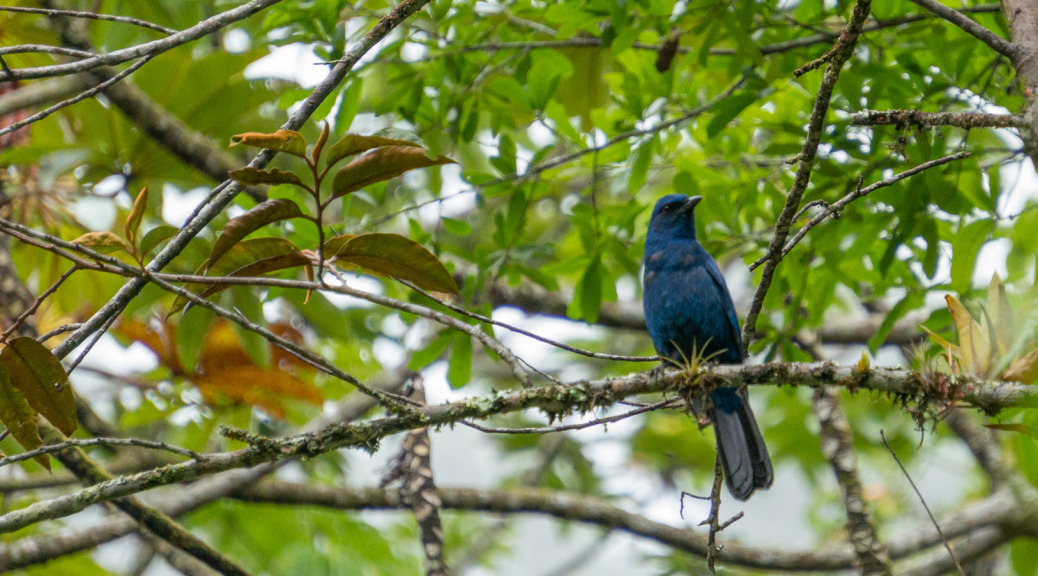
pixel 673 215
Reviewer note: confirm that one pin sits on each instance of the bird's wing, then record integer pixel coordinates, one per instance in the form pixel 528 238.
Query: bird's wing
pixel 726 303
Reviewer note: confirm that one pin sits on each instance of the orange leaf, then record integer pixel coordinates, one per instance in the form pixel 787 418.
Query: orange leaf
pixel 283 140
pixel 160 341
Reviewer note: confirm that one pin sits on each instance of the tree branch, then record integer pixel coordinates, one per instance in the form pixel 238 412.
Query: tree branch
pixel 223 194
pixel 200 30
pixel 836 59
pixel 838 449
pixel 35 550
pixel 965 120
pixel 592 510
pixel 556 400
pixel 833 210
pixel 1023 27
pixel 194 148
pixel 996 42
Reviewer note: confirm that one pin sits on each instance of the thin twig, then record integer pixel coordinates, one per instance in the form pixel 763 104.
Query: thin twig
pixel 516 329
pixel 155 47
pixel 59 330
pixel 841 53
pixel 37 302
pixel 833 210
pixel 84 442
pixel 473 330
pixel 921 499
pixel 91 16
pixel 563 428
pixel 225 193
pixel 81 96
pixel 965 120
pixel 45 49
pixel 972 27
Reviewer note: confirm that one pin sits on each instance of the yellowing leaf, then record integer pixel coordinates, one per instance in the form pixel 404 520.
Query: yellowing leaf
pixel 315 154
pixel 255 218
pixel 250 176
pixel 864 364
pixel 1018 428
pixel 1001 314
pixel 352 144
pixel 941 341
pixel 973 344
pixel 1023 369
pixel 103 242
pixel 133 221
pixel 283 140
pixel 19 417
pixel 35 371
pixel 382 164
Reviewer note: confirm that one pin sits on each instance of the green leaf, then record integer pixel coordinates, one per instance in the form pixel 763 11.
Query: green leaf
pixel 19 417
pixel 587 300
pixel 1018 428
pixel 727 110
pixel 1024 555
pixel 964 253
pixel 395 256
pixel 156 236
pixel 288 141
pixel 353 144
pixel 382 164
pixel 459 373
pixel 259 216
pixel 35 371
pixel 456 227
pixel 133 221
pixel 432 352
pixel 640 165
pixel 911 301
pixel 103 242
pixel 250 176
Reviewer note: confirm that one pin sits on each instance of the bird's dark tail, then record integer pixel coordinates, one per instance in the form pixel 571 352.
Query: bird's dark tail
pixel 744 456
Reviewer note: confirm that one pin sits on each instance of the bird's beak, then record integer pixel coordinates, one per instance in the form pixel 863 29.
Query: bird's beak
pixel 690 204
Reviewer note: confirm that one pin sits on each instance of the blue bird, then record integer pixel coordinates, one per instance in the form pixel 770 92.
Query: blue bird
pixel 688 307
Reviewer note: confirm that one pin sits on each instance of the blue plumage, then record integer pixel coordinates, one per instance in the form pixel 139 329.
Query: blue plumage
pixel 688 307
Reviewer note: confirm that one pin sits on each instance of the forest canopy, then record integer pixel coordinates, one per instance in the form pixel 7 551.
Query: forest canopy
pixel 335 287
